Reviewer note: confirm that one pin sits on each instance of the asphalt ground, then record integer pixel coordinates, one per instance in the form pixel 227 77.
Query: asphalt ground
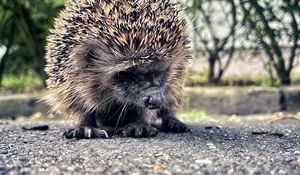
pixel 210 148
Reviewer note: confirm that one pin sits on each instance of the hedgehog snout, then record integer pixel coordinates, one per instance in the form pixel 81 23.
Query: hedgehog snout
pixel 153 99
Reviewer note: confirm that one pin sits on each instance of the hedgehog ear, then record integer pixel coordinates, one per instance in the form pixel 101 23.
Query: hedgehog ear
pixel 81 56
pixel 95 55
pixel 91 55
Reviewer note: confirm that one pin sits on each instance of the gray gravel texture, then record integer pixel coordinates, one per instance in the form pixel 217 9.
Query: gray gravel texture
pixel 231 148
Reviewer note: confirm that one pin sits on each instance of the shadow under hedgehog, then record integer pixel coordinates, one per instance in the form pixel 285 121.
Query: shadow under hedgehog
pixel 115 66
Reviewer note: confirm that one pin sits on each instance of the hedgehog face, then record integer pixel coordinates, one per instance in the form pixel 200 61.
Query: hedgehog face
pixel 144 85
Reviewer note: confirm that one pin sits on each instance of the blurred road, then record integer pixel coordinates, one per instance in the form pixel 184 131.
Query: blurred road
pixel 229 148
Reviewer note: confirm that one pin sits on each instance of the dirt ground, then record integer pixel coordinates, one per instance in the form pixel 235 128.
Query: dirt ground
pixel 216 145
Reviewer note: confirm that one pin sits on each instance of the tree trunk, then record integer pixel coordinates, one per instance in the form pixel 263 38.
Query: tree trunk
pixel 2 65
pixel 211 70
pixel 218 78
pixel 285 79
pixel 283 75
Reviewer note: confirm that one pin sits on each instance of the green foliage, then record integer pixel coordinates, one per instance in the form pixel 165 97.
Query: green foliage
pixel 271 26
pixel 23 29
pixel 200 79
pixel 195 78
pixel 274 26
pixel 192 115
pixel 219 48
pixel 25 82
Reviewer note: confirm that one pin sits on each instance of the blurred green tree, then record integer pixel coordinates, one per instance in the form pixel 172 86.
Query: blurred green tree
pixel 218 45
pixel 274 26
pixel 23 29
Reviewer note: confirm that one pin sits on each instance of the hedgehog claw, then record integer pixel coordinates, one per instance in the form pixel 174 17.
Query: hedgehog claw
pixel 138 131
pixel 172 125
pixel 87 133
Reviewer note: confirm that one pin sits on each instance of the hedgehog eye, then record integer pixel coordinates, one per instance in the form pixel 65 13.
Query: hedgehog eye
pixel 125 76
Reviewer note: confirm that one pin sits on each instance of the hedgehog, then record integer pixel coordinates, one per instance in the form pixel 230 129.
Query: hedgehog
pixel 117 67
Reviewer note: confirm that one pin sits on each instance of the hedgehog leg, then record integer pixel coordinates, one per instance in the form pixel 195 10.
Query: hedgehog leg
pixel 86 129
pixel 169 123
pixel 140 127
pixel 138 130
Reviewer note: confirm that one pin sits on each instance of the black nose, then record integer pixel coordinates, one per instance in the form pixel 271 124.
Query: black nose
pixel 153 102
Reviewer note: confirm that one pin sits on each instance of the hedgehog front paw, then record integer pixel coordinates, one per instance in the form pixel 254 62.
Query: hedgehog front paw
pixel 173 125
pixel 87 133
pixel 138 130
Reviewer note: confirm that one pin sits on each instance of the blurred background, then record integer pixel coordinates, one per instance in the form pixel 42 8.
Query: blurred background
pixel 234 42
pixel 246 71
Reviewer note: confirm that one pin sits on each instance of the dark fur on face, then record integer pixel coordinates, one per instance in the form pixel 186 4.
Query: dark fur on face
pixel 115 75
pixel 144 84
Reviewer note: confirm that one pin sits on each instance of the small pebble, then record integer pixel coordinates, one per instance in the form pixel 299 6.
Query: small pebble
pixel 158 167
pixel 297 152
pixel 203 161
